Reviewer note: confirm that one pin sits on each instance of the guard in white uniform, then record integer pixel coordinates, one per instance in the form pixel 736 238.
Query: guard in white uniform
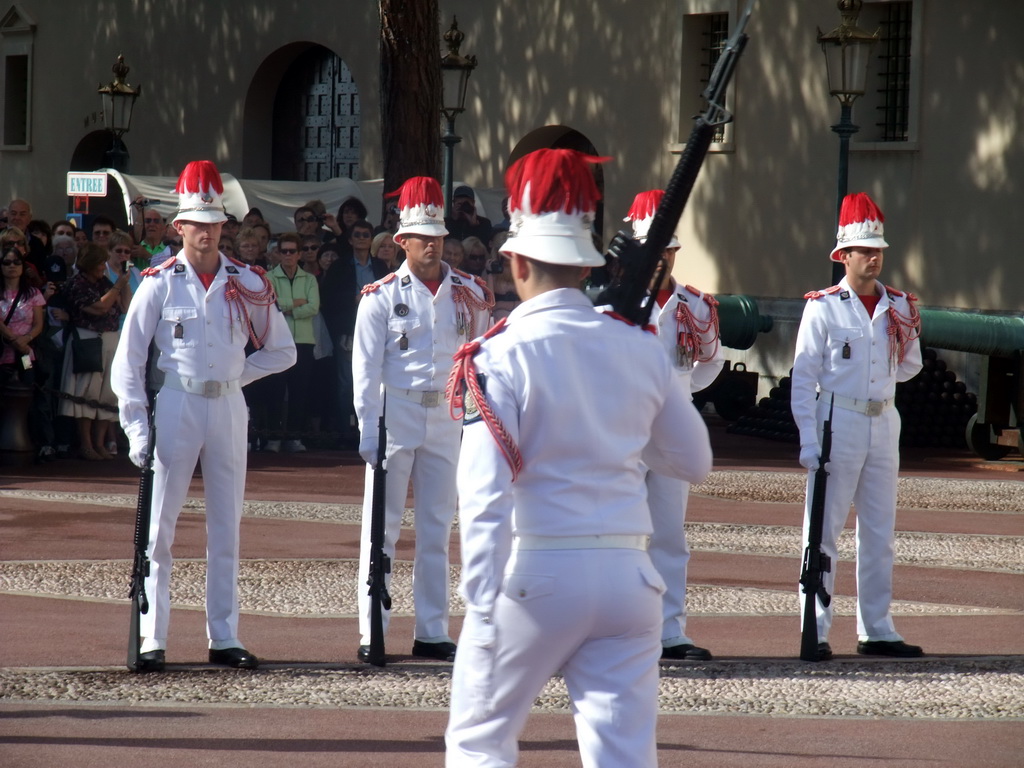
pixel 856 341
pixel 687 323
pixel 408 326
pixel 553 509
pixel 200 308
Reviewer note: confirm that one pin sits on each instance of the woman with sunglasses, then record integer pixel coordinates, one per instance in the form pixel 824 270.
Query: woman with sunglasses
pixel 21 311
pixel 21 322
pixel 121 248
pixel 14 238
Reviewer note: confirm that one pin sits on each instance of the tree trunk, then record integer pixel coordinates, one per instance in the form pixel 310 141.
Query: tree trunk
pixel 410 90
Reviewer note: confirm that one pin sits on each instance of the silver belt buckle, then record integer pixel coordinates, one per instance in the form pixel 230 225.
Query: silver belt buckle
pixel 874 408
pixel 211 389
pixel 431 399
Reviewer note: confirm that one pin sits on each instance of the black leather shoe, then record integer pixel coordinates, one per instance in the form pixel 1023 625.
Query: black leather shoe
pixel 239 658
pixel 896 648
pixel 152 661
pixel 363 653
pixel 824 652
pixel 686 652
pixel 443 651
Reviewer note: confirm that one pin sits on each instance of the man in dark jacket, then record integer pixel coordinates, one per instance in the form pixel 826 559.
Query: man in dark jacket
pixel 339 298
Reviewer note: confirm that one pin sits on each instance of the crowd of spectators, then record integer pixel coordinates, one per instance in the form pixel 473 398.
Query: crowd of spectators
pixel 66 291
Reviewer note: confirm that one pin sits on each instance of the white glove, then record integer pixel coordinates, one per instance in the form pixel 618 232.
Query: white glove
pixel 138 447
pixel 810 456
pixel 368 449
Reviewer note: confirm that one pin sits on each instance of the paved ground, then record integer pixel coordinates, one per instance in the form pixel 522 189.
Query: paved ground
pixel 66 699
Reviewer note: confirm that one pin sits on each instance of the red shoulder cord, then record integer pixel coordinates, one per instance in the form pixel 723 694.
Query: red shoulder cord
pixel 462 294
pixel 237 294
pixel 902 329
pixel 690 331
pixel 462 379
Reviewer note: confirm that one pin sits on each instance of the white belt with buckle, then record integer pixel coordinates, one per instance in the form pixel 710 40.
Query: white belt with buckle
pixel 867 407
pixel 428 399
pixel 204 388
pixel 612 541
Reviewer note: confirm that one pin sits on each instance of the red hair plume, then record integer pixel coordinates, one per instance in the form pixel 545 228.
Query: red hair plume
pixel 419 190
pixel 558 179
pixel 200 176
pixel 645 204
pixel 859 207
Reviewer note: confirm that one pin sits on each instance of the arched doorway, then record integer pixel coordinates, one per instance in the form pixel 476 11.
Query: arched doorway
pixel 315 119
pixel 563 137
pixel 91 154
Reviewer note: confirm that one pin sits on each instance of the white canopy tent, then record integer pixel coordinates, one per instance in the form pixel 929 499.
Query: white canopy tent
pixel 277 200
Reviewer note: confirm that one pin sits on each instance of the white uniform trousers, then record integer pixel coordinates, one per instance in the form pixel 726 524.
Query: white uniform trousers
pixel 211 430
pixel 423 444
pixel 666 498
pixel 863 471
pixel 591 614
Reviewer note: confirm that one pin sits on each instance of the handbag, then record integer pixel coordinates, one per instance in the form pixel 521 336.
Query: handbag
pixel 86 354
pixel 4 344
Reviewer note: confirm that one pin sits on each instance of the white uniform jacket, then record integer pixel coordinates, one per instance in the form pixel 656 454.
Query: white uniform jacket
pixel 210 345
pixel 694 375
pixel 405 336
pixel 591 402
pixel 840 350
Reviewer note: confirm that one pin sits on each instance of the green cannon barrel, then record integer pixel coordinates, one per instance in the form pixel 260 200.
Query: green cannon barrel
pixel 740 322
pixel 994 335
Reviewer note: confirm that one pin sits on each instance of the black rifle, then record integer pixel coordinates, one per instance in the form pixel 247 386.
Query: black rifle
pixel 140 567
pixel 642 265
pixel 816 563
pixel 380 563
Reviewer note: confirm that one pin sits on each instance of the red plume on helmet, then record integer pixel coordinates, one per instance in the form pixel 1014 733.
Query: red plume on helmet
pixel 420 207
pixel 552 201
pixel 200 193
pixel 200 176
pixel 859 207
pixel 557 179
pixel 645 204
pixel 419 190
pixel 641 214
pixel 860 223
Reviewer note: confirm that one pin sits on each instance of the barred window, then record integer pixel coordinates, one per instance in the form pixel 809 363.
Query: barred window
pixel 893 72
pixel 713 37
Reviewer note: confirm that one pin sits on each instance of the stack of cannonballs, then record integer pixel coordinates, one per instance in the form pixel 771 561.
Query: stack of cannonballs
pixel 934 408
pixel 771 418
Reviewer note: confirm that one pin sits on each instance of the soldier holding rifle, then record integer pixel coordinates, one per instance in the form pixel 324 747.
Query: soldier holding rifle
pixel 408 326
pixel 856 340
pixel 200 308
pixel 687 324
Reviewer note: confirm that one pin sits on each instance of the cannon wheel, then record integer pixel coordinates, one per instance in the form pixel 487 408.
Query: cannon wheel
pixel 977 435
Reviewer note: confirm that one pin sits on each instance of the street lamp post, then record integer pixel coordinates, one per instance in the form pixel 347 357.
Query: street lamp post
pixel 118 99
pixel 847 50
pixel 455 71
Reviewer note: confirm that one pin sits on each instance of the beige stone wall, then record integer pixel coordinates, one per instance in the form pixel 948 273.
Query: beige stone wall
pixel 760 220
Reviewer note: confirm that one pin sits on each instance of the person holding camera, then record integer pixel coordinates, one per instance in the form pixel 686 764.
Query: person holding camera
pixel 464 221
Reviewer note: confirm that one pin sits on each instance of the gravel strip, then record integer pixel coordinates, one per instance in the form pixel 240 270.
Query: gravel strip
pixel 912 492
pixel 974 552
pixel 779 487
pixel 937 689
pixel 327 589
